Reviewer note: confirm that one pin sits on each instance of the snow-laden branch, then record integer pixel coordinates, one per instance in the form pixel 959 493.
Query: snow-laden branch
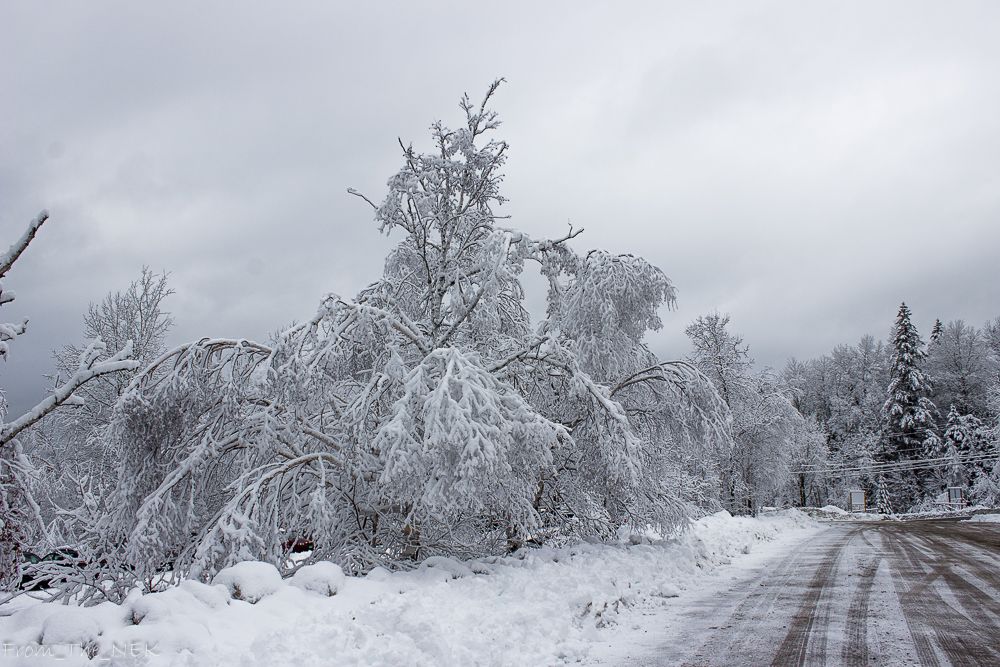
pixel 8 258
pixel 10 331
pixel 90 367
pixel 202 352
pixel 397 323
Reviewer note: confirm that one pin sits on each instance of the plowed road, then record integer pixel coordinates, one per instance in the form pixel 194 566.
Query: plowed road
pixel 911 593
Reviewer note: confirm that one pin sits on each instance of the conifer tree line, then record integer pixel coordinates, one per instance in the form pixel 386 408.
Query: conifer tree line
pixel 430 414
pixel 905 419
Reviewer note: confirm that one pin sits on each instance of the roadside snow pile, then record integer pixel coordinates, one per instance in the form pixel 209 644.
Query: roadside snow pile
pixel 834 513
pixel 540 606
pixel 985 518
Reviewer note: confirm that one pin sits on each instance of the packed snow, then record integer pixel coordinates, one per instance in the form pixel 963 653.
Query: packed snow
pixel 540 606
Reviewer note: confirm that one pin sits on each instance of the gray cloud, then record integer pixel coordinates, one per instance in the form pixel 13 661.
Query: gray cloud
pixel 803 166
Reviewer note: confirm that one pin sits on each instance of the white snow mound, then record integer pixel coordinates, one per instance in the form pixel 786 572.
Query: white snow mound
pixel 325 578
pixel 250 581
pixel 70 625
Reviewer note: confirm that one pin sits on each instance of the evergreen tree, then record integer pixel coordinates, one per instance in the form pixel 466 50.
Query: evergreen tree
pixel 936 331
pixel 909 425
pixel 956 442
pixel 882 504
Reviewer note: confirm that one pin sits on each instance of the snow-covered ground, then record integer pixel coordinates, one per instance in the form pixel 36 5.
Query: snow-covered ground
pixel 545 606
pixel 985 518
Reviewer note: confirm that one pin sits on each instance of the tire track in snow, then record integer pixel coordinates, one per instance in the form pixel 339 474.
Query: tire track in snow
pixel 925 560
pixel 886 593
pixel 855 650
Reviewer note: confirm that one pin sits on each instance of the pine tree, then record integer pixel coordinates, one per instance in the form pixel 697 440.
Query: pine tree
pixel 909 430
pixel 882 504
pixel 936 331
pixel 951 447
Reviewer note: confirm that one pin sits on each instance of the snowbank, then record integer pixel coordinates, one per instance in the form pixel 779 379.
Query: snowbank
pixel 985 518
pixel 834 513
pixel 541 606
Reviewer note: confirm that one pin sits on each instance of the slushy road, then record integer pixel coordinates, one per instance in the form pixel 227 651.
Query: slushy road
pixel 877 593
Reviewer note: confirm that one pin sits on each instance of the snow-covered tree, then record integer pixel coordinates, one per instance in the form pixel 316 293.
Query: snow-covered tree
pixel 765 422
pixel 844 391
pixel 426 415
pixel 986 486
pixel 19 513
pixel 883 503
pixel 909 431
pixel 810 454
pixel 69 449
pixel 936 331
pixel 955 444
pixel 991 332
pixel 960 366
pixel 134 314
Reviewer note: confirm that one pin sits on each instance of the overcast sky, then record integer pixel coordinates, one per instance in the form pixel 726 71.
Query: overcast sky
pixel 802 166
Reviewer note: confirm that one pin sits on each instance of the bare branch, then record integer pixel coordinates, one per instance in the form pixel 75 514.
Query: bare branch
pixel 352 191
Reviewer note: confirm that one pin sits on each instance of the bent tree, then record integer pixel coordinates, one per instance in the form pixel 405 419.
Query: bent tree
pixel 428 414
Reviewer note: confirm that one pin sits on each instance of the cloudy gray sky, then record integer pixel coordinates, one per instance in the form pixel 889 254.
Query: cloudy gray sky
pixel 803 166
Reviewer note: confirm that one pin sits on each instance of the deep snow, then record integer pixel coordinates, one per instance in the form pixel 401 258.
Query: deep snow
pixel 542 606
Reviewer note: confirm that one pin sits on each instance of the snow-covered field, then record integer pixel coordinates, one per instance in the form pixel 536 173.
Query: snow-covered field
pixel 545 606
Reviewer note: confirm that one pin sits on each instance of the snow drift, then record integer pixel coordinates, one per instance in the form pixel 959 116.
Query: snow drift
pixel 541 606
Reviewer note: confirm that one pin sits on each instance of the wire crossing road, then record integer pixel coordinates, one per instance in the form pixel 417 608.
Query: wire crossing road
pixel 886 593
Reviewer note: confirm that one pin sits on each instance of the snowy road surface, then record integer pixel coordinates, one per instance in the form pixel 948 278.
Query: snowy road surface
pixel 913 593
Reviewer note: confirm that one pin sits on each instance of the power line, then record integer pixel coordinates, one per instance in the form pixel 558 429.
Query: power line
pixel 917 464
pixel 909 461
pixel 903 465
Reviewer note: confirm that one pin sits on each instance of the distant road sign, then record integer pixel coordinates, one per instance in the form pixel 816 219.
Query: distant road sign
pixel 856 499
